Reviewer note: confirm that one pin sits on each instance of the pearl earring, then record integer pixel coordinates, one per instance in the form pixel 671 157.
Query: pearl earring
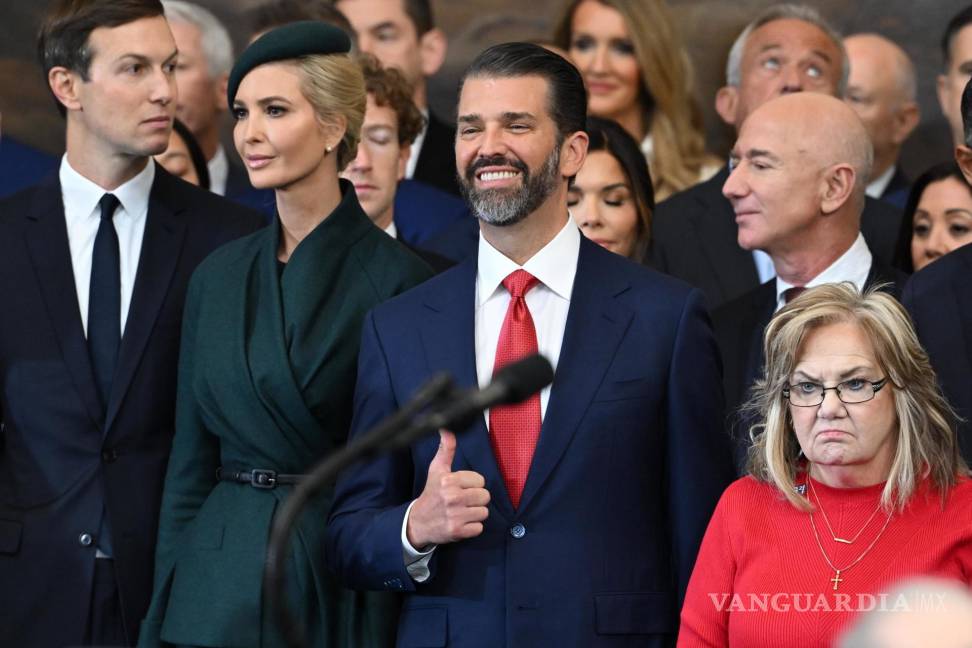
pixel 329 148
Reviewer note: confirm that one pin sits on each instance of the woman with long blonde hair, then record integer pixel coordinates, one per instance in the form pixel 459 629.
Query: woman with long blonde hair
pixel 638 73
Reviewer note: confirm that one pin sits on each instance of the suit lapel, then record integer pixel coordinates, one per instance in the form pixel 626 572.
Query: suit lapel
pixel 596 324
pixel 763 309
pixel 450 345
pixel 161 246
pixel 47 243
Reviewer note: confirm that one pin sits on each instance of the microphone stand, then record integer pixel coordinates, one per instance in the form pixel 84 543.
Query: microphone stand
pixel 391 433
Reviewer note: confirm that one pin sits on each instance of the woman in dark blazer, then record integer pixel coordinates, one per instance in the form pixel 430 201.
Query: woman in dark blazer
pixel 271 333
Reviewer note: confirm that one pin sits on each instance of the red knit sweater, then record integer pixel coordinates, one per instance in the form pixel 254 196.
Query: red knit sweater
pixel 761 580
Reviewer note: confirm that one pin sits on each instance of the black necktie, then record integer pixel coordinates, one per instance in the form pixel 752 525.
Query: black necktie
pixel 104 300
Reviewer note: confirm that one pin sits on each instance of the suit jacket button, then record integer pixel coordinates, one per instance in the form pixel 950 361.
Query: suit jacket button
pixel 85 539
pixel 518 531
pixel 109 455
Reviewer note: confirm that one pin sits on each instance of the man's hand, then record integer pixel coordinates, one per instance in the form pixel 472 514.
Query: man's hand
pixel 453 505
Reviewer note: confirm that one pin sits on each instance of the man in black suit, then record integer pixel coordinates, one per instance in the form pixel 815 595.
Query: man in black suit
pixel 94 267
pixel 800 168
pixel 402 34
pixel 882 91
pixel 939 298
pixel 786 49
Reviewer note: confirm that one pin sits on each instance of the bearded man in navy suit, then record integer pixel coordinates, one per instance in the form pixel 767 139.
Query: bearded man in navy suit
pixel 572 519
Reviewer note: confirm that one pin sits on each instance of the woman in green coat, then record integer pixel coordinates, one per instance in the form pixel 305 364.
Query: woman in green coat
pixel 267 368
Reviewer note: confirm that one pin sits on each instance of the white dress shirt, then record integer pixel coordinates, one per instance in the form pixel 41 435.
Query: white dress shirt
pixel 416 150
pixel 218 171
pixel 764 266
pixel 853 265
pixel 555 265
pixel 82 215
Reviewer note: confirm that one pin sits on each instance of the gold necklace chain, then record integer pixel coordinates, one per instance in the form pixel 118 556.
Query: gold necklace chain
pixel 837 580
pixel 827 520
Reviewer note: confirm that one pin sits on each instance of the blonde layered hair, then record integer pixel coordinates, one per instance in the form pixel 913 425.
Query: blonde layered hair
pixel 334 85
pixel 927 446
pixel 667 82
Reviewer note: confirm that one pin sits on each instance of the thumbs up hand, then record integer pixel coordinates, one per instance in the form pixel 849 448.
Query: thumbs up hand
pixel 452 506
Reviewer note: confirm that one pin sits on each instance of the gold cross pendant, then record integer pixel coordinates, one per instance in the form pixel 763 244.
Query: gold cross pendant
pixel 836 580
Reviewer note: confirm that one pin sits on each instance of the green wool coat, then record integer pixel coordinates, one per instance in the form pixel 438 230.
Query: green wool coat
pixel 266 379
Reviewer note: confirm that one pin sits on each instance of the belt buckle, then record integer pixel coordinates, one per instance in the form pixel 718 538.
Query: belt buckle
pixel 265 479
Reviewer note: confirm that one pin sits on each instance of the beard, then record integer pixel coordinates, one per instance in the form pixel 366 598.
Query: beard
pixel 504 207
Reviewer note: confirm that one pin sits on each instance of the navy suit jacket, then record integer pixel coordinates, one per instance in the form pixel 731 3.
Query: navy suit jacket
pixel 896 193
pixel 22 166
pixel 64 455
pixel 694 238
pixel 423 212
pixel 939 298
pixel 630 463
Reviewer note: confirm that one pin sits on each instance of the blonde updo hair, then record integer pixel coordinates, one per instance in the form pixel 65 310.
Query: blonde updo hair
pixel 927 445
pixel 334 85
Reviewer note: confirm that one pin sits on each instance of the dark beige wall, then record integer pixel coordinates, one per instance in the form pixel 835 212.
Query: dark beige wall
pixel 708 27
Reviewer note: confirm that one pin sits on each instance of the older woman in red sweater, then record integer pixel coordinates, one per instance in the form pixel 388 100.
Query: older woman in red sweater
pixel 855 482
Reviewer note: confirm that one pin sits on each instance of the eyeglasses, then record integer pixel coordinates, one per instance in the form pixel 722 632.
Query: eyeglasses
pixel 811 394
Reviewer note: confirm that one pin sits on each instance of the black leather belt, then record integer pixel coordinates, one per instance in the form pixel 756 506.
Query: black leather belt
pixel 258 477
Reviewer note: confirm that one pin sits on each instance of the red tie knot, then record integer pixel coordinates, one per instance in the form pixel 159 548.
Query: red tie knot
pixel 792 293
pixel 519 283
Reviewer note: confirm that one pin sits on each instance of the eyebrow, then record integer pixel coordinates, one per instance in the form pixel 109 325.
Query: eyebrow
pixel 815 52
pixel 266 101
pixel 382 25
pixel 958 210
pixel 616 185
pixel 754 153
pixel 840 378
pixel 517 116
pixel 141 58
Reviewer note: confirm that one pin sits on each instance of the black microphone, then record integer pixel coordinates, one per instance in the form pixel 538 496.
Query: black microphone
pixel 513 383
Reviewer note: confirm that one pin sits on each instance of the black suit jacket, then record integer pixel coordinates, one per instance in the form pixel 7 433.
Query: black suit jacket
pixel 939 298
pixel 694 238
pixel 739 326
pixel 63 454
pixel 436 163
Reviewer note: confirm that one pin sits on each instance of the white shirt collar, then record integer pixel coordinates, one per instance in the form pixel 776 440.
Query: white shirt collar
pixel 416 150
pixel 83 194
pixel 648 147
pixel 218 171
pixel 877 186
pixel 555 264
pixel 391 230
pixel 853 265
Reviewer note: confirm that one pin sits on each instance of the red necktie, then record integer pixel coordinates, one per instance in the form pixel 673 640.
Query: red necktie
pixel 515 428
pixel 792 293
